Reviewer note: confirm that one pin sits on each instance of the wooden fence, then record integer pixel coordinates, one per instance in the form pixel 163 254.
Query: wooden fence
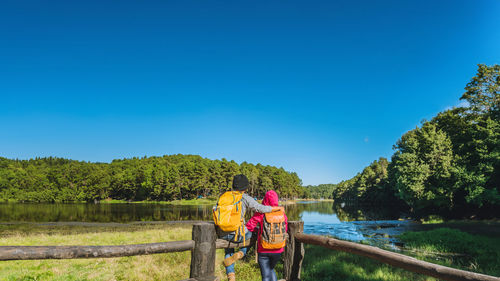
pixel 204 243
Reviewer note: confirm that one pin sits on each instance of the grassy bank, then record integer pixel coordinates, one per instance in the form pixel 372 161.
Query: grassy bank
pixel 202 201
pixel 171 266
pixel 195 202
pixel 455 248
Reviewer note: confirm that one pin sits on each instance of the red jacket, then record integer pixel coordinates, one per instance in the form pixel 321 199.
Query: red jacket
pixel 270 199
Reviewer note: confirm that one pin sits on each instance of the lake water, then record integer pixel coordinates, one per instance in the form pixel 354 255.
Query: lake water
pixel 322 218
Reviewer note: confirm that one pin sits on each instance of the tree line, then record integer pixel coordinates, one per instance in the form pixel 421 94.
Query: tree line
pixel 166 178
pixel 448 166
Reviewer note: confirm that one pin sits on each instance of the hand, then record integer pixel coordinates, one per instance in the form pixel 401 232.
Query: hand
pixel 279 208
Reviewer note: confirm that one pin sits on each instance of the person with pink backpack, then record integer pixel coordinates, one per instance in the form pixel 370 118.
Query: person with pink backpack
pixel 272 228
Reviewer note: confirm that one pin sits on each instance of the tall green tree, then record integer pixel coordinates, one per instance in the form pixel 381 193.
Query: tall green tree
pixel 421 168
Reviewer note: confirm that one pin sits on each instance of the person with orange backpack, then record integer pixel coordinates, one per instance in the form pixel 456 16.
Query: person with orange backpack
pixel 272 228
pixel 229 217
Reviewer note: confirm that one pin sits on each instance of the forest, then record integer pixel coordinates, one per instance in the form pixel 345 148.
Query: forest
pixel 448 166
pixel 171 177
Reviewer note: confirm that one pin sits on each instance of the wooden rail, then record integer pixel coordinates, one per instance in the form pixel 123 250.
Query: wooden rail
pixel 204 243
pixel 77 252
pixel 84 252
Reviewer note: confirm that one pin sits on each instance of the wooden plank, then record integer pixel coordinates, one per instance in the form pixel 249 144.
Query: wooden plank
pixel 203 255
pixel 294 252
pixel 77 252
pixel 394 259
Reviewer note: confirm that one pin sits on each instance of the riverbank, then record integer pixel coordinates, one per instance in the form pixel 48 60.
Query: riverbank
pixel 302 200
pixel 482 227
pixel 190 202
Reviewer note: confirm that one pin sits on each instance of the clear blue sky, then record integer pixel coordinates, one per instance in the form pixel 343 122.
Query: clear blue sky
pixel 321 88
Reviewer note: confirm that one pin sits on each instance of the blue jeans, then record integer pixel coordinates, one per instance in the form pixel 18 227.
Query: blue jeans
pixel 230 251
pixel 267 262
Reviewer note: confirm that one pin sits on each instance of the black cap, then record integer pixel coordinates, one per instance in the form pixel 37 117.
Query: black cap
pixel 240 182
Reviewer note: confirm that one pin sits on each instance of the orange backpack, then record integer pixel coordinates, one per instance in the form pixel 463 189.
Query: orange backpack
pixel 273 231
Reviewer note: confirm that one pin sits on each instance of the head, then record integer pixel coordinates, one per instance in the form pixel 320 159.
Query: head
pixel 270 199
pixel 240 183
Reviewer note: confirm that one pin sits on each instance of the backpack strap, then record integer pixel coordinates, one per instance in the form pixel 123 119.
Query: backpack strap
pixel 241 228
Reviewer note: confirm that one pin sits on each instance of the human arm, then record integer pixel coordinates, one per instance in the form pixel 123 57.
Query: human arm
pixel 278 208
pixel 254 222
pixel 256 206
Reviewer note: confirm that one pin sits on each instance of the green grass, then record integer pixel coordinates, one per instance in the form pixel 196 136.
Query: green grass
pixel 8 200
pixel 432 219
pixel 456 248
pixel 203 201
pixel 114 201
pixel 322 264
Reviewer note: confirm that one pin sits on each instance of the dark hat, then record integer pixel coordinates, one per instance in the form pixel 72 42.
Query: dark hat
pixel 240 182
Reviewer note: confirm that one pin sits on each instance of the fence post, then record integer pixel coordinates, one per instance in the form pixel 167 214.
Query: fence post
pixel 203 254
pixel 294 252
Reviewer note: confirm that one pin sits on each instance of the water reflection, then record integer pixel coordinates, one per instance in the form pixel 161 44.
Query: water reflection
pixel 295 211
pixel 122 213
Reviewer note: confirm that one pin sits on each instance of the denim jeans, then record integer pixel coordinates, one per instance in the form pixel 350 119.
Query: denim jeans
pixel 267 262
pixel 230 251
